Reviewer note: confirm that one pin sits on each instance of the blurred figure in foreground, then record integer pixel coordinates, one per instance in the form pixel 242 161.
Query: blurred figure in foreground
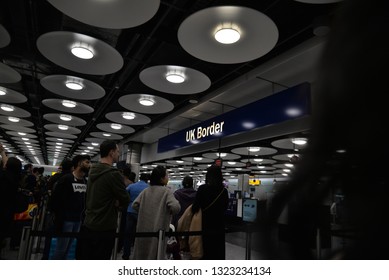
pixel 349 120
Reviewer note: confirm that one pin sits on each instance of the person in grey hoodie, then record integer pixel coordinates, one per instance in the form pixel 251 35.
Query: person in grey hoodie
pixel 106 195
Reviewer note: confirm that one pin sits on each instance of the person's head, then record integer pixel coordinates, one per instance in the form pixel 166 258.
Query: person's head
pixel 14 166
pixel 129 176
pixel 187 182
pixel 81 163
pixel 28 168
pixel 159 176
pixel 214 176
pixel 35 171
pixel 144 177
pixel 66 166
pixel 41 170
pixel 109 151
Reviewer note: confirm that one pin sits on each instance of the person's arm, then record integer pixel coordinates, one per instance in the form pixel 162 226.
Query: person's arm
pixel 119 188
pixel 4 157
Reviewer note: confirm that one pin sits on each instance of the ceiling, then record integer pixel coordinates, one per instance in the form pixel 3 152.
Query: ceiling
pixel 135 45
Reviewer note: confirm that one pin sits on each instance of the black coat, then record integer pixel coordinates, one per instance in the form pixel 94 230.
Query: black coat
pixel 213 219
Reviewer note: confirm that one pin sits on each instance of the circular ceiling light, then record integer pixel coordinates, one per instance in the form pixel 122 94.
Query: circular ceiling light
pixel 128 115
pixel 198 158
pixel 22 133
pixel 227 35
pixel 2 92
pixel 116 126
pixel 69 104
pixel 95 144
pixel 221 154
pixel 74 85
pixel 65 118
pixel 63 127
pixel 14 119
pixel 146 101
pixel 7 108
pixel 82 52
pixel 254 149
pixel 258 159
pixel 175 78
pixel 106 134
pixel 299 141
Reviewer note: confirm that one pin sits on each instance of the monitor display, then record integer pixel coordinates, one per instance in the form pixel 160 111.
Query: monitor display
pixel 250 210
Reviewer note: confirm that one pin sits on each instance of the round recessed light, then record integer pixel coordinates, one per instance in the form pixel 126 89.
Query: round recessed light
pixel 7 108
pixel 65 118
pixel 227 35
pixel 258 159
pixel 74 85
pixel 14 119
pixel 106 134
pixel 2 92
pixel 128 115
pixel 82 52
pixel 69 104
pixel 299 141
pixel 116 126
pixel 22 133
pixel 63 127
pixel 146 101
pixel 175 78
pixel 254 149
pixel 95 144
pixel 198 158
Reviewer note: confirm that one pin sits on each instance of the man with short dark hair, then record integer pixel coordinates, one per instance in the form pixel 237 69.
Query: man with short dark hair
pixel 106 195
pixel 68 203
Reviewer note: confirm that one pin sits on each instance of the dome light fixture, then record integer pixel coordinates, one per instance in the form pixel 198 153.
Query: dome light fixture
pixel 147 100
pixel 175 77
pixel 22 133
pixel 221 154
pixel 94 144
pixel 7 108
pixel 106 134
pixel 116 126
pixel 65 118
pixel 2 92
pixel 128 115
pixel 227 34
pixel 69 104
pixel 63 127
pixel 82 52
pixel 198 158
pixel 14 119
pixel 258 159
pixel 73 85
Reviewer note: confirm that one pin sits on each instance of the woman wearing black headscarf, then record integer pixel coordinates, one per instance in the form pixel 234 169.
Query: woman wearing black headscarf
pixel 212 198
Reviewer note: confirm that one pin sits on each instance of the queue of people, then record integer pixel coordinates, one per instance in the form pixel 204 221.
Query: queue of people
pixel 85 199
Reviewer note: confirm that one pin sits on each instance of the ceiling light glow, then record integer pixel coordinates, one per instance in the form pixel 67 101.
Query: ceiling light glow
pixel 254 149
pixel 82 52
pixel 2 92
pixel 63 127
pixel 106 134
pixel 69 104
pixel 227 34
pixel 14 119
pixel 65 118
pixel 175 78
pixel 74 85
pixel 147 101
pixel 7 108
pixel 299 141
pixel 128 115
pixel 116 126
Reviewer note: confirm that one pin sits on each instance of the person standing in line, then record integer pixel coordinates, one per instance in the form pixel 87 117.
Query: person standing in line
pixel 68 203
pixel 132 216
pixel 155 206
pixel 106 195
pixel 10 174
pixel 185 196
pixel 212 198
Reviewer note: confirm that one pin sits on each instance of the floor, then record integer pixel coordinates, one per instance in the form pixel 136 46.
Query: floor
pixel 235 250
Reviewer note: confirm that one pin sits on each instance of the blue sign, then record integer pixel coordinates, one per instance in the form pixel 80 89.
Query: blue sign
pixel 286 105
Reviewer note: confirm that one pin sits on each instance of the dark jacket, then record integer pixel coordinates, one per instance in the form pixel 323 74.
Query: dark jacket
pixel 105 188
pixel 185 197
pixel 68 198
pixel 213 220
